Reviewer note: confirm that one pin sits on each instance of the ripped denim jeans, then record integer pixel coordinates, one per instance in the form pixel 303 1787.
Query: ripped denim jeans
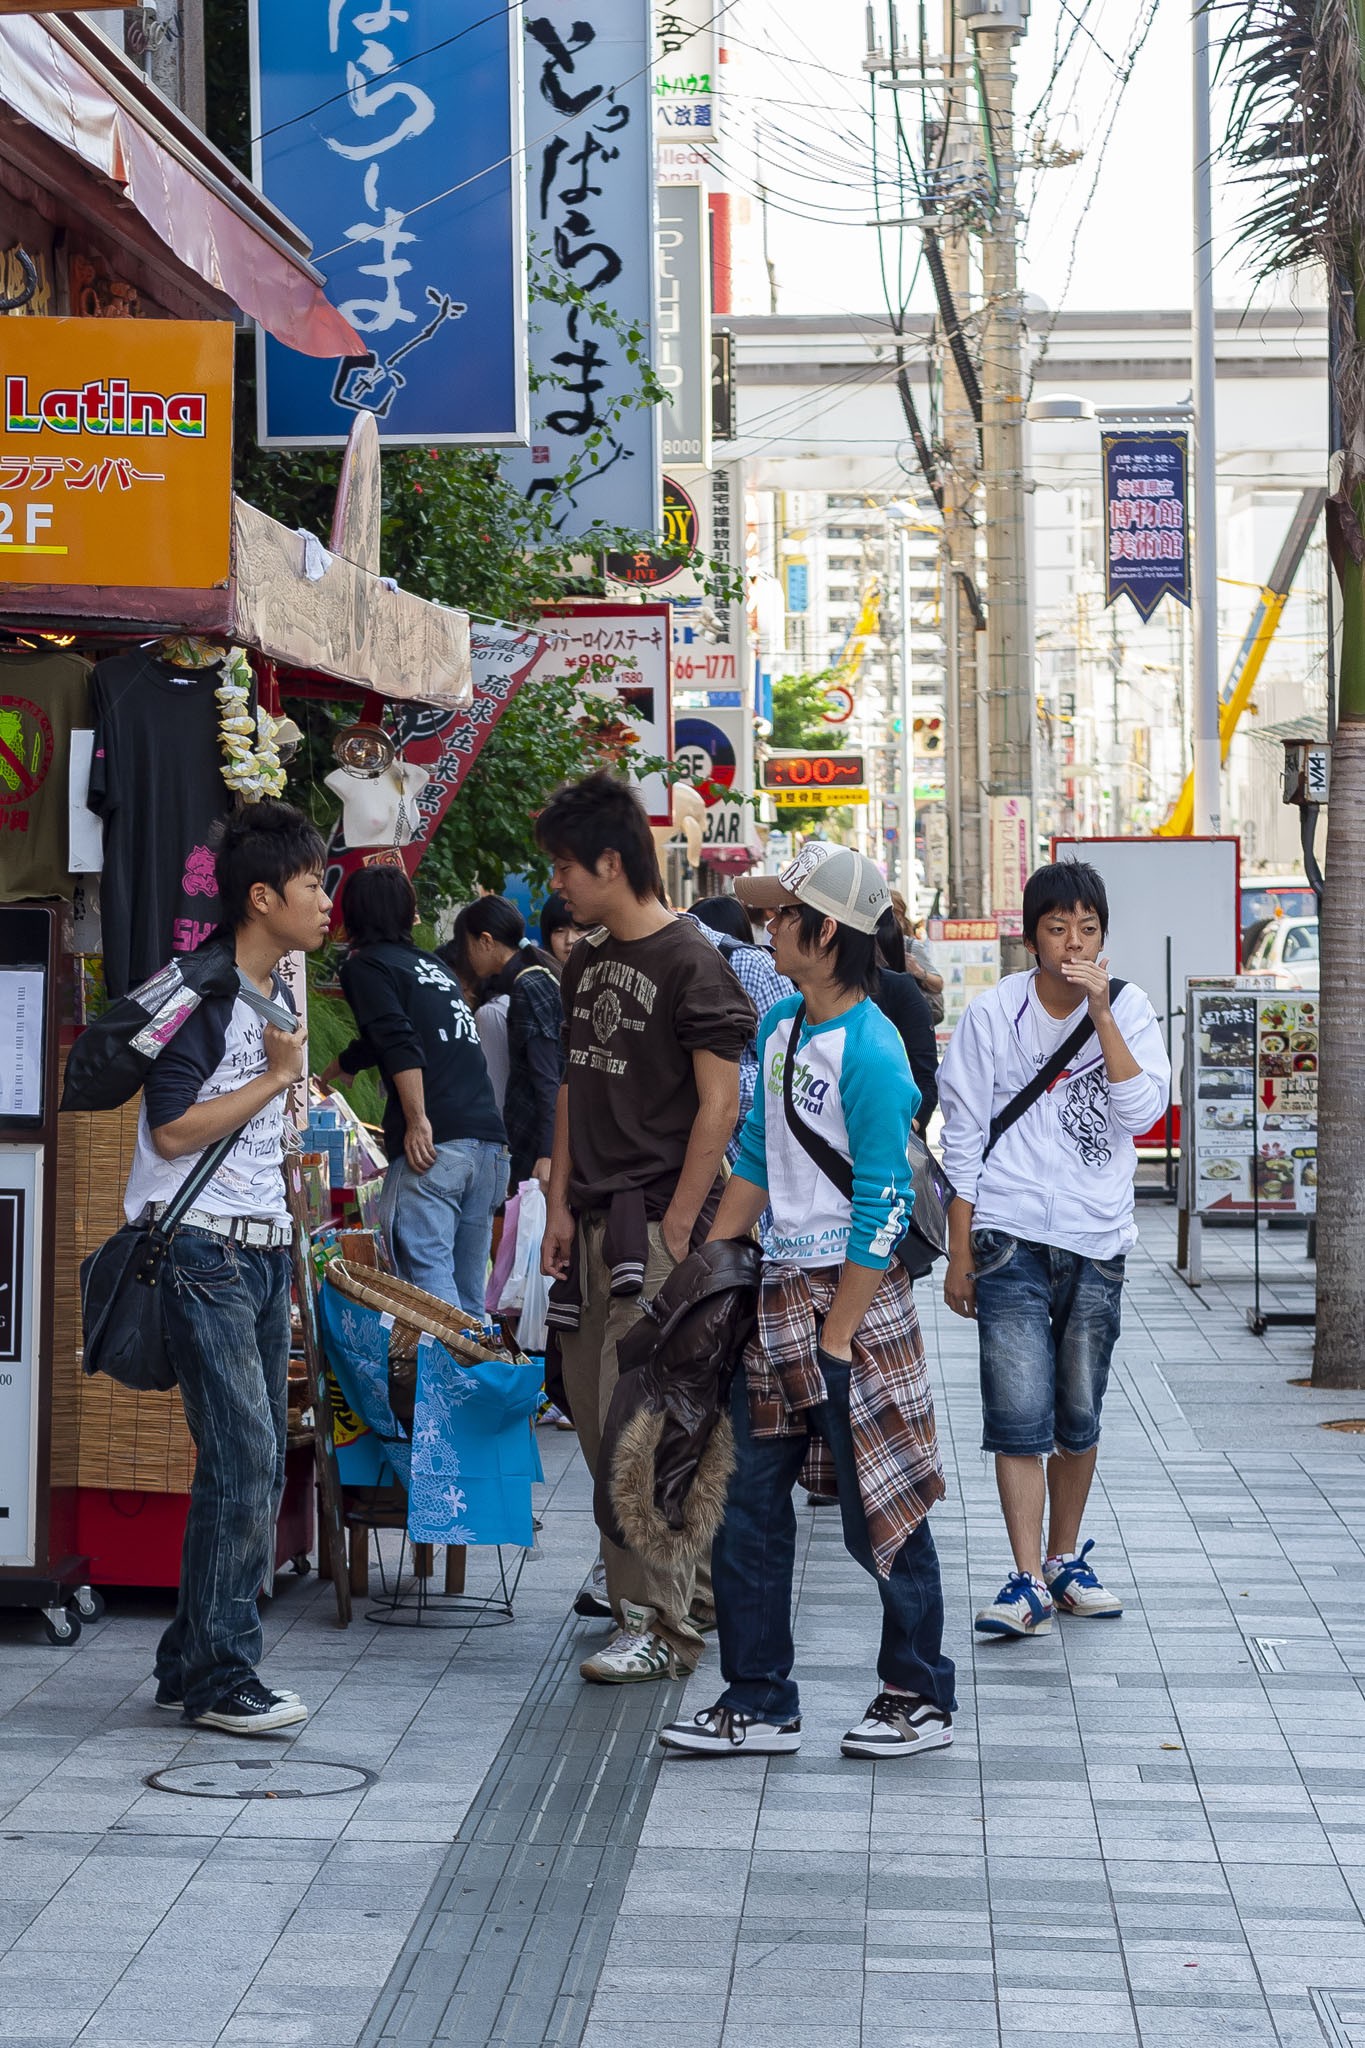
pixel 1048 1321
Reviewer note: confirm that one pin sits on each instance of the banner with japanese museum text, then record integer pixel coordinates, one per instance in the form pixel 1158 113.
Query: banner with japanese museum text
pixel 116 453
pixel 1146 517
pixel 393 136
pixel 590 217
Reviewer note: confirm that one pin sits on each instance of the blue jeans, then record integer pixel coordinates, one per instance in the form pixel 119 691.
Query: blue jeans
pixel 439 1224
pixel 1048 1322
pixel 227 1328
pixel 754 1555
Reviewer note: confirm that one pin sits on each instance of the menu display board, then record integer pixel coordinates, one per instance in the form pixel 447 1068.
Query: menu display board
pixel 1252 1096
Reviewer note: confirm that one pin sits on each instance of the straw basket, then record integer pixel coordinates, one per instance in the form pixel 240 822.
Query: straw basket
pixel 415 1312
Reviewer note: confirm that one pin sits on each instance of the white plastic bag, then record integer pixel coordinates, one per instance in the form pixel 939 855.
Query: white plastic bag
pixel 526 1259
pixel 532 1327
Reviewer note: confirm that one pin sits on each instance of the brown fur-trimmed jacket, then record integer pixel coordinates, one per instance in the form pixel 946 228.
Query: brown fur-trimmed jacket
pixel 667 1447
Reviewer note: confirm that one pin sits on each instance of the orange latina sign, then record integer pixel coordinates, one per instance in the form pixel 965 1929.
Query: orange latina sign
pixel 116 452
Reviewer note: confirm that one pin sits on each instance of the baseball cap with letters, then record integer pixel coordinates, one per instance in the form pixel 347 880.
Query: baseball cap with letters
pixel 832 879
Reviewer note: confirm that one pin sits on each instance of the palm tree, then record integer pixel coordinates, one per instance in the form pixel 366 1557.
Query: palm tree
pixel 1297 136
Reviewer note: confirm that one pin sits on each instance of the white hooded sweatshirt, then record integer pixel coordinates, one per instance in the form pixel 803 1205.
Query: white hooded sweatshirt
pixel 1063 1174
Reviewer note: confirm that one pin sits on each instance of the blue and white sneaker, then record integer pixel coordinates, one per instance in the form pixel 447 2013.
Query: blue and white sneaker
pixel 1075 1588
pixel 1022 1607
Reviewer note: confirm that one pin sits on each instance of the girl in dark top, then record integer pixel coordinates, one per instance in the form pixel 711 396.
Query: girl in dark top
pixel 489 946
pixel 444 1137
pixel 899 996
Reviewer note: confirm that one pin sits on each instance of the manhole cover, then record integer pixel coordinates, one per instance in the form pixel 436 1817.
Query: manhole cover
pixel 1341 2015
pixel 1349 1425
pixel 240 1778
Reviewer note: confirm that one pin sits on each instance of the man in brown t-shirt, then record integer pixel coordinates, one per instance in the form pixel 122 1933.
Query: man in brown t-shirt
pixel 654 1024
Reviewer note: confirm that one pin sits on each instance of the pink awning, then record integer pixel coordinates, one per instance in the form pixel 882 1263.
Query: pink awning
pixel 49 78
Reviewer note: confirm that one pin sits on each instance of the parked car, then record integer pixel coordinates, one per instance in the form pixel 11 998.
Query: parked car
pixel 1266 898
pixel 1288 949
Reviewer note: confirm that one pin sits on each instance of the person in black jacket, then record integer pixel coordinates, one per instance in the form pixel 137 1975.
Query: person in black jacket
pixel 489 947
pixel 899 996
pixel 445 1140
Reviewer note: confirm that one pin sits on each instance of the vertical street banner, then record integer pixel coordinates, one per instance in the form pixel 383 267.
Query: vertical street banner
pixel 686 94
pixel 393 137
pixel 683 354
pixel 1146 517
pixel 590 219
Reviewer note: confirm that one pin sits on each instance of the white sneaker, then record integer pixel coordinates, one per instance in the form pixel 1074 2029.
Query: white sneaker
pixel 897 1724
pixel 724 1731
pixel 1075 1588
pixel 634 1654
pixel 1021 1608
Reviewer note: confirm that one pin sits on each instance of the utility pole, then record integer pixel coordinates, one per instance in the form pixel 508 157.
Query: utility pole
pixel 969 855
pixel 1009 652
pixel 1207 744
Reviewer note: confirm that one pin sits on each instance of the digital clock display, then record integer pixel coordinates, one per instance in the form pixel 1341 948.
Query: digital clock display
pixel 833 772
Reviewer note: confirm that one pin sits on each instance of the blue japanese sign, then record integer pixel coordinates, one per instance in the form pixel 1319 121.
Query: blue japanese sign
pixel 590 216
pixel 1146 518
pixel 392 135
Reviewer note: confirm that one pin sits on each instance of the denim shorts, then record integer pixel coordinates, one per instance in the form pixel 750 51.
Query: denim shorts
pixel 1048 1321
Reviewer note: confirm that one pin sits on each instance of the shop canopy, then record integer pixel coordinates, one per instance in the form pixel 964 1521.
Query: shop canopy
pixel 322 612
pixel 63 82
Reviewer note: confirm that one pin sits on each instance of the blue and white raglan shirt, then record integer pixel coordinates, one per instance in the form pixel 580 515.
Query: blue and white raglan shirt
pixel 852 1084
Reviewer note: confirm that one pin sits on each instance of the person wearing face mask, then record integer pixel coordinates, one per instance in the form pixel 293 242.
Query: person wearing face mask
pixel 1047 1080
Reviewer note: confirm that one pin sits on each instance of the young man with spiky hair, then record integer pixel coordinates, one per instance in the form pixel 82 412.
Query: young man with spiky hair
pixel 226 1297
pixel 1043 1221
pixel 654 1025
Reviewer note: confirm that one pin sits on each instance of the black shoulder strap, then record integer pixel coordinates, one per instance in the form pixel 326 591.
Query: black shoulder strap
pixel 1045 1076
pixel 831 1163
pixel 196 1181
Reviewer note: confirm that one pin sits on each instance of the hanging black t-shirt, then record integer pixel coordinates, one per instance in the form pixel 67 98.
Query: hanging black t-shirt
pixel 157 782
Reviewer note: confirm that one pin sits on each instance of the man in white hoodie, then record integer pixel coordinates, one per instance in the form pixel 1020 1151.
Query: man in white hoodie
pixel 1042 1222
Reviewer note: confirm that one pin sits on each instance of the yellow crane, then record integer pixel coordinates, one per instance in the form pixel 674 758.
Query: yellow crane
pixel 1236 691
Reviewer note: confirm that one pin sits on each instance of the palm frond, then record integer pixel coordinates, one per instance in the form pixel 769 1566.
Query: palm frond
pixel 1296 136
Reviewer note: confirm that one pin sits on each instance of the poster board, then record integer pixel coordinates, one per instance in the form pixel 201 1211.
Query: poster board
pixel 966 952
pixel 1184 890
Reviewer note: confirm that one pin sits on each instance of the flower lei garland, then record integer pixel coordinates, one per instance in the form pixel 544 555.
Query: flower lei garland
pixel 251 767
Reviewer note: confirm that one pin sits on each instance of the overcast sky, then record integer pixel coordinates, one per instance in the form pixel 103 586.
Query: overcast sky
pixel 1111 231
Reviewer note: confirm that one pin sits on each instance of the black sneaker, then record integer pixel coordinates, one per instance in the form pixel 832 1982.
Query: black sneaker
pixel 722 1731
pixel 899 1724
pixel 169 1700
pixel 249 1709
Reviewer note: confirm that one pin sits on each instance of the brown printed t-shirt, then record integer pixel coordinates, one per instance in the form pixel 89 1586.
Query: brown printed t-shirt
pixel 635 1011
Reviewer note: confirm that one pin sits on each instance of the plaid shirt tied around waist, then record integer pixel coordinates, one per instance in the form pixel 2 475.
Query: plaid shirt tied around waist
pixel 891 1410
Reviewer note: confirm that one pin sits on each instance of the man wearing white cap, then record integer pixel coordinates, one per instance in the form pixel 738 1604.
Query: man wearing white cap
pixel 834 1379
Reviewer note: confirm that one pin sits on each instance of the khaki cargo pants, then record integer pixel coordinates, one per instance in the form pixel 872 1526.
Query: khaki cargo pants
pixel 588 1357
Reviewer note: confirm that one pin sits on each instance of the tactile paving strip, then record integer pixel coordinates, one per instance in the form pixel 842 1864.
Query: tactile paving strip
pixel 510 1944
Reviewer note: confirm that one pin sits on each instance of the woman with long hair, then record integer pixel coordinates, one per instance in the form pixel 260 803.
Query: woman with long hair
pixel 489 947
